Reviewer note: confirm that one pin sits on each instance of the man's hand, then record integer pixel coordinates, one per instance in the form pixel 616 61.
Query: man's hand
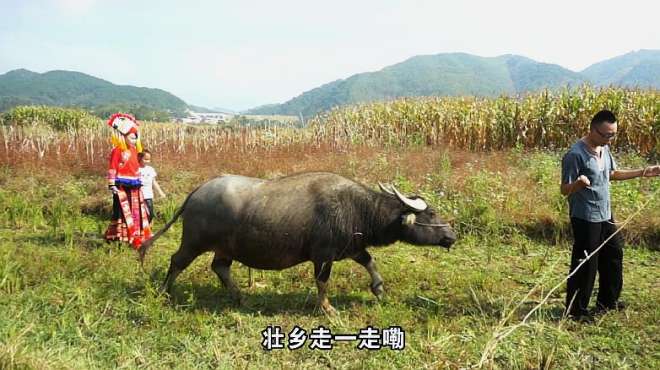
pixel 579 184
pixel 582 182
pixel 114 189
pixel 651 171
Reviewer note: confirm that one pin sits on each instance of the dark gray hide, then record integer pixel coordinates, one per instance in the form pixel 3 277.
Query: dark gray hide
pixel 275 224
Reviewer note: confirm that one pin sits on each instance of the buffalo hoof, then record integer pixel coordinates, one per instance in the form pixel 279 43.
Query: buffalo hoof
pixel 163 290
pixel 239 300
pixel 329 310
pixel 377 289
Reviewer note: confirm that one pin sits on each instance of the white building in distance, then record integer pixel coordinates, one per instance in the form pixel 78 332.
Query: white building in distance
pixel 215 117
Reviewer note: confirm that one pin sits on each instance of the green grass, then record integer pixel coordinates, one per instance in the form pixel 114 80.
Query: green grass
pixel 90 308
pixel 67 300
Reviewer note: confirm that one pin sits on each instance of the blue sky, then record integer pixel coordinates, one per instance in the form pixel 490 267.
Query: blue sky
pixel 240 54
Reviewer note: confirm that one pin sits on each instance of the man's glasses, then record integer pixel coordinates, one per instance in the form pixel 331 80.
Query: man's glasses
pixel 606 135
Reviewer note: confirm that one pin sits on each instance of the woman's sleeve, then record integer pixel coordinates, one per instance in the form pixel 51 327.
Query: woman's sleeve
pixel 115 155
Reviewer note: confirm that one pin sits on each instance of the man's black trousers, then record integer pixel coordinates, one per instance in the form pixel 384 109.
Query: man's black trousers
pixel 608 262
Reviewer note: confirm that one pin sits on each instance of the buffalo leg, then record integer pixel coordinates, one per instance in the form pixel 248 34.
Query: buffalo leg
pixel 365 259
pixel 179 261
pixel 322 274
pixel 221 266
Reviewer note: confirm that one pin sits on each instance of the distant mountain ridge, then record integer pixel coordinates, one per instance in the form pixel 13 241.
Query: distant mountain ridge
pixel 68 88
pixel 452 74
pixel 448 74
pixel 638 68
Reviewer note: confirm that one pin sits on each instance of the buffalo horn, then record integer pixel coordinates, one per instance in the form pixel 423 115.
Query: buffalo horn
pixel 416 204
pixel 384 188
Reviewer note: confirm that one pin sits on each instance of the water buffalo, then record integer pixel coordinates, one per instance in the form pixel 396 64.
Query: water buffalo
pixel 317 217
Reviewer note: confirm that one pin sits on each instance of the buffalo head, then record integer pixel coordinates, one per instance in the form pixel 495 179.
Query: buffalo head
pixel 421 224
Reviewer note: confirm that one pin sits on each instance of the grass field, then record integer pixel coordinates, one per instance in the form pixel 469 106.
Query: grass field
pixel 68 300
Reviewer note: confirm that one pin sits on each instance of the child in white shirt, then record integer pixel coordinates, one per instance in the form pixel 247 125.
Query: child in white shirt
pixel 148 179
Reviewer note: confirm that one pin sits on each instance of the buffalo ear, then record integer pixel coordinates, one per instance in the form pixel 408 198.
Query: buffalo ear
pixel 409 219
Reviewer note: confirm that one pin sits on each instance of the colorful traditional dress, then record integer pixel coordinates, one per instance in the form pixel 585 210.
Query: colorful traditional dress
pixel 130 221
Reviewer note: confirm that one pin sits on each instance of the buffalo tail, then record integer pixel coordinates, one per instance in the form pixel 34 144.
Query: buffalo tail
pixel 148 243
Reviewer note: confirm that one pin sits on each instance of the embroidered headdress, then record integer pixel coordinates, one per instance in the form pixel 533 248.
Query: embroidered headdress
pixel 124 124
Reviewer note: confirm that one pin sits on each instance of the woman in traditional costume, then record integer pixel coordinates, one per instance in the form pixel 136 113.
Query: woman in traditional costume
pixel 130 221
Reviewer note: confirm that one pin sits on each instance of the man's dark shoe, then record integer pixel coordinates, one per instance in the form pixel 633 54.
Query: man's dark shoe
pixel 620 306
pixel 602 308
pixel 582 319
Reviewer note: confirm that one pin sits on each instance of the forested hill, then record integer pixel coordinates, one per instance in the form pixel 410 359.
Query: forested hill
pixel 465 74
pixel 75 89
pixel 635 69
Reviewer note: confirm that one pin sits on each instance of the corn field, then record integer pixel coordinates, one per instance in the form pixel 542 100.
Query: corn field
pixel 91 143
pixel 60 119
pixel 543 120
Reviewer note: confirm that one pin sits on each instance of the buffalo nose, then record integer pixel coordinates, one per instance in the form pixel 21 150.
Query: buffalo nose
pixel 450 239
